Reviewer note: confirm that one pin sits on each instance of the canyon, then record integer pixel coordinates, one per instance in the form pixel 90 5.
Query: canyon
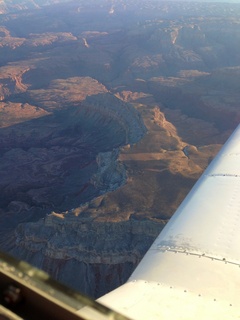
pixel 109 113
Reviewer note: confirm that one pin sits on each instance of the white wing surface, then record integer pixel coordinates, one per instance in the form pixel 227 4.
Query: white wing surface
pixel 192 270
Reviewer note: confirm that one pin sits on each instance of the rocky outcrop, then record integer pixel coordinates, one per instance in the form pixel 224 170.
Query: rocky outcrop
pixel 111 173
pixel 11 81
pixel 107 105
pixel 62 93
pixel 13 113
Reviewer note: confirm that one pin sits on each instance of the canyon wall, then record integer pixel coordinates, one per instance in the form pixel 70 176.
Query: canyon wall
pixel 93 257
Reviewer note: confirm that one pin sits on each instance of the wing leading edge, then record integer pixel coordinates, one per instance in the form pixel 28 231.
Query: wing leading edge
pixel 193 267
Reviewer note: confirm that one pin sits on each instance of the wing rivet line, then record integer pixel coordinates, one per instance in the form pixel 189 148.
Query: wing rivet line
pixel 222 175
pixel 195 253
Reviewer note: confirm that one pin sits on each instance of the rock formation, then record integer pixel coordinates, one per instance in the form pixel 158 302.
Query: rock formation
pixel 101 255
pixel 109 112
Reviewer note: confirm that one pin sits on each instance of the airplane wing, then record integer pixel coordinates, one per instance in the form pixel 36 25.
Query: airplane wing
pixel 192 270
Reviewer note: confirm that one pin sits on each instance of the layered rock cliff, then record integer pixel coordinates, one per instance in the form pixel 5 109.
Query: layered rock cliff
pixel 89 255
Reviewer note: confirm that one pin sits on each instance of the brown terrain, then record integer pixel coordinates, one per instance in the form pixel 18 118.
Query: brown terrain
pixel 108 116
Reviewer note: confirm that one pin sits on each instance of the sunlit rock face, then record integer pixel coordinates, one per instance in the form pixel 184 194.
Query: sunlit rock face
pixel 109 112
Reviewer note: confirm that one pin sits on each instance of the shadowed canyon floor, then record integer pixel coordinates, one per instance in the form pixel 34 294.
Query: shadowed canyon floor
pixel 108 115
